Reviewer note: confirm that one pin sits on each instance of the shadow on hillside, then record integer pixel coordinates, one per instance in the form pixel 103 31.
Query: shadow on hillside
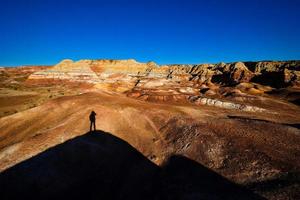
pixel 242 118
pixel 273 79
pixel 98 165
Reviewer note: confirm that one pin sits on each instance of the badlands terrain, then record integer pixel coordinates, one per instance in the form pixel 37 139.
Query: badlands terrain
pixel 207 131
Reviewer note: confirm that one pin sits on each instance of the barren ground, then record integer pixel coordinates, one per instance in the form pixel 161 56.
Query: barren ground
pixel 257 150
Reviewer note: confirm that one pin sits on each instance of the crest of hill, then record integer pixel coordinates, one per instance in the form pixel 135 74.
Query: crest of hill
pixel 128 66
pixel 131 65
pixel 121 66
pixel 68 64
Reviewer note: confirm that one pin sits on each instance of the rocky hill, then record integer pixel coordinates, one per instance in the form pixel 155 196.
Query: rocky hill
pixel 199 127
pixel 275 74
pixel 200 84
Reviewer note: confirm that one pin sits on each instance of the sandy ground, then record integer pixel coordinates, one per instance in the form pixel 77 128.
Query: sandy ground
pixel 258 150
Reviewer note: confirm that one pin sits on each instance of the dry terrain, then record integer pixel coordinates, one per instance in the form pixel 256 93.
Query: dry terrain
pixel 208 131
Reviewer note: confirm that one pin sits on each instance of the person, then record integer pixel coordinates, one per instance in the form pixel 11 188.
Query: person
pixel 93 120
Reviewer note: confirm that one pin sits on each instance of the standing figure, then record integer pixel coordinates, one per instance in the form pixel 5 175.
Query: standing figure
pixel 93 120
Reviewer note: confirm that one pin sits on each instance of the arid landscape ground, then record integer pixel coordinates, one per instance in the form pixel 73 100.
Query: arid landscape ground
pixel 207 131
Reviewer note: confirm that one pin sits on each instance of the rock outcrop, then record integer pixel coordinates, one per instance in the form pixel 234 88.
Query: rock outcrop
pixel 68 70
pixel 224 104
pixel 97 71
pixel 176 83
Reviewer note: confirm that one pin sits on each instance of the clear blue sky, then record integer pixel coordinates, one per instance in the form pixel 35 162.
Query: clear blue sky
pixel 185 31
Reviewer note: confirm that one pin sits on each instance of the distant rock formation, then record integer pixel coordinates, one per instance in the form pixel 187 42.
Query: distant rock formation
pixel 151 82
pixel 275 74
pixel 68 70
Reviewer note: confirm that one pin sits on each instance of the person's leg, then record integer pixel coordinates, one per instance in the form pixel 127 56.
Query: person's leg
pixel 94 126
pixel 91 126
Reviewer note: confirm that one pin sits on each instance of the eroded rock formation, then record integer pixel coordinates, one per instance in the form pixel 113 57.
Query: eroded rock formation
pixel 148 81
pixel 99 71
pixel 240 120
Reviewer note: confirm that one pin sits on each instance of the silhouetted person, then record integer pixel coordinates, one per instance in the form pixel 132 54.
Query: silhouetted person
pixel 93 120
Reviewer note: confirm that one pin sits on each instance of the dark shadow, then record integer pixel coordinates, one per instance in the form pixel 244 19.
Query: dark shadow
pixel 273 79
pixel 204 90
pixel 251 65
pixel 183 178
pixel 296 102
pixel 224 79
pixel 98 165
pixel 242 118
pixel 286 94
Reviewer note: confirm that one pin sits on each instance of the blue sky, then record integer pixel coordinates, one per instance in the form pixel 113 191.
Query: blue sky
pixel 177 31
